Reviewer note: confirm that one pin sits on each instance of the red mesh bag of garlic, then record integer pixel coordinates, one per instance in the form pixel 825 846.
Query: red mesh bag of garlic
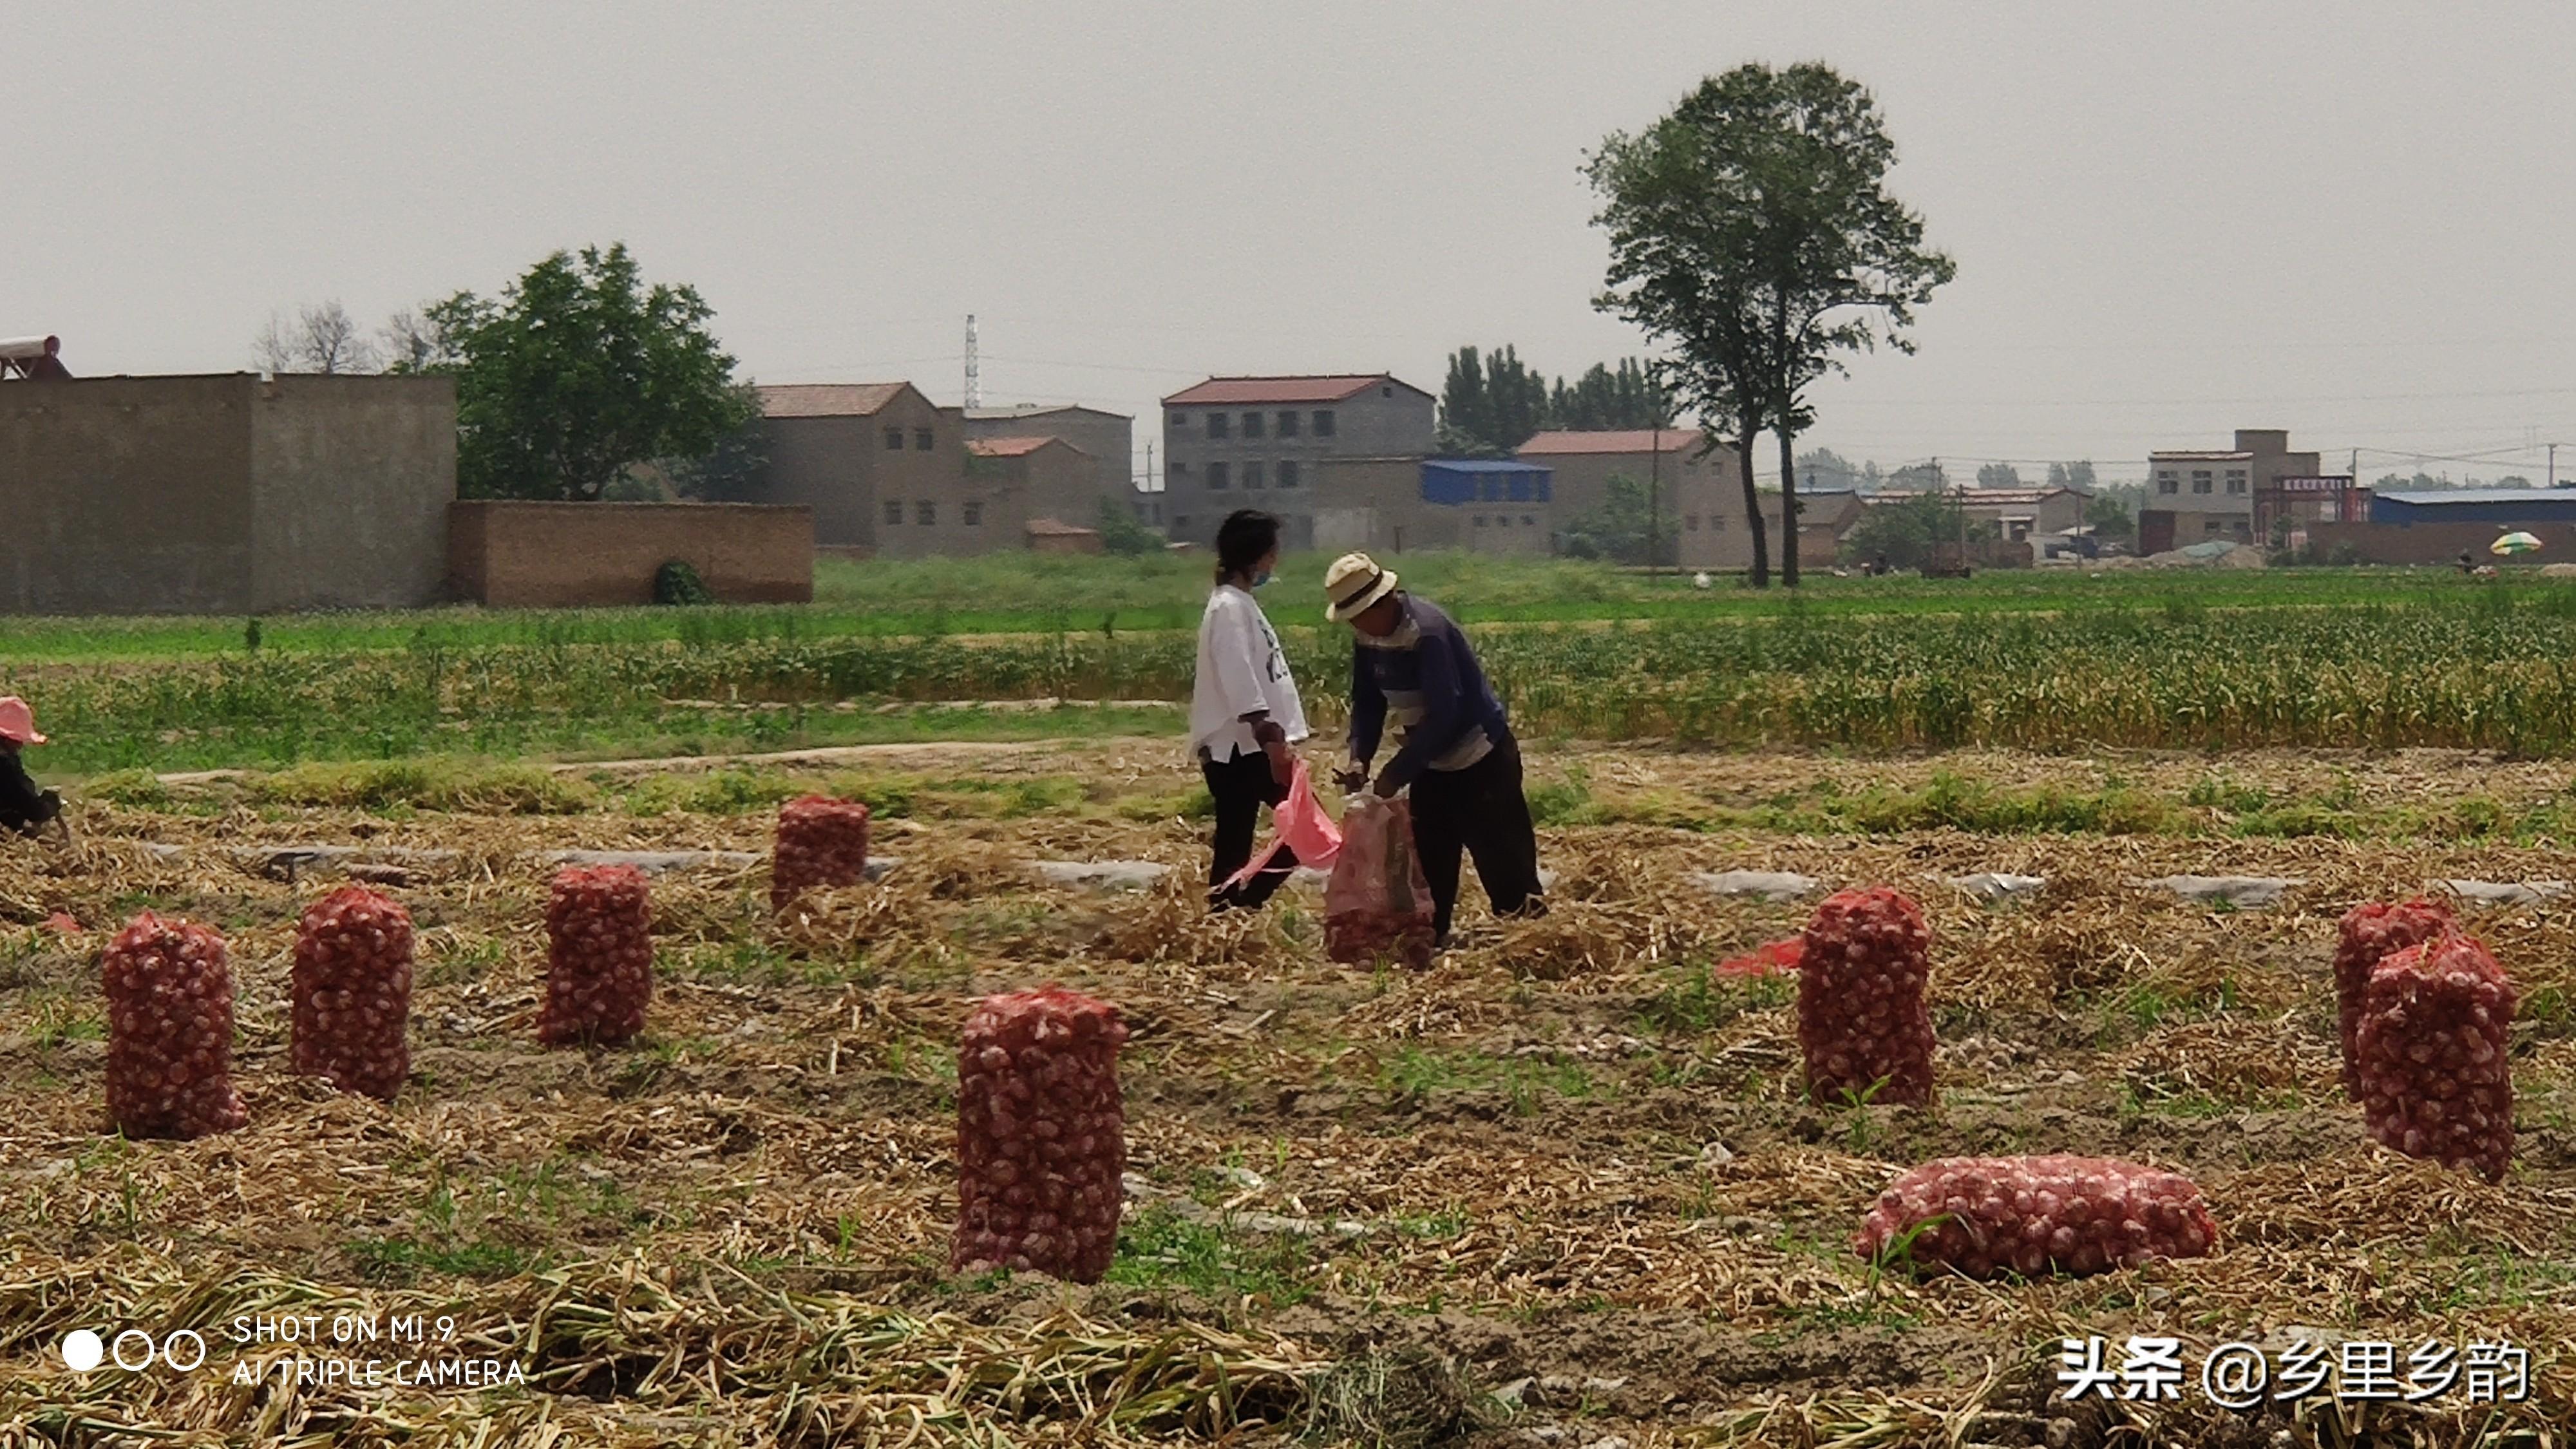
pixel 1041 1135
pixel 2368 934
pixel 599 956
pixel 352 992
pixel 2430 1050
pixel 169 1030
pixel 1377 906
pixel 1861 1018
pixel 2034 1215
pixel 822 841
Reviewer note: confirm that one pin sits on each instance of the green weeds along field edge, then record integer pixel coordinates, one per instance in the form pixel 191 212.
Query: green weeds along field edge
pixel 2215 805
pixel 933 598
pixel 2497 672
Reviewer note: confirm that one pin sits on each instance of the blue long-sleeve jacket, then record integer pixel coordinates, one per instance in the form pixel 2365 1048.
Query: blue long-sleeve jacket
pixel 1428 676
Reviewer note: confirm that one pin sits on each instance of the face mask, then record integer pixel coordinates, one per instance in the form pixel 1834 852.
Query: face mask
pixel 1260 579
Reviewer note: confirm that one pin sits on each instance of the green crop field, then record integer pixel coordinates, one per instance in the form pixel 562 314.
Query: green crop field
pixel 2045 661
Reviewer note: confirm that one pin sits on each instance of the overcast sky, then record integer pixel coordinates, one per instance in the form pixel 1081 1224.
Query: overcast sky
pixel 2171 220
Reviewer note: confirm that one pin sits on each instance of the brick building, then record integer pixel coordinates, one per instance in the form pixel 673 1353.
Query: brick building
pixel 1408 504
pixel 1661 460
pixel 1107 438
pixel 1258 442
pixel 873 460
pixel 2194 496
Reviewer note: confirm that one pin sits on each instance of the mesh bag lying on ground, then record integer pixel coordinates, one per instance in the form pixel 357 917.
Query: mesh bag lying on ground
pixel 2367 934
pixel 1861 1018
pixel 599 956
pixel 351 990
pixel 169 1030
pixel 822 841
pixel 2034 1215
pixel 2430 1054
pixel 1041 1135
pixel 1376 903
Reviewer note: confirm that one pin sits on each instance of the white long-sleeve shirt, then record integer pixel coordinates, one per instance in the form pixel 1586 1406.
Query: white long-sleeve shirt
pixel 1242 670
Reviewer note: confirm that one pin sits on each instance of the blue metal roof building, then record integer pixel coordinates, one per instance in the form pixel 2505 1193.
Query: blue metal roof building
pixel 1455 481
pixel 2476 505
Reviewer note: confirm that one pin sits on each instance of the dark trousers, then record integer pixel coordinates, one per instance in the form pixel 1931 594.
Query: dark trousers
pixel 1241 786
pixel 1480 808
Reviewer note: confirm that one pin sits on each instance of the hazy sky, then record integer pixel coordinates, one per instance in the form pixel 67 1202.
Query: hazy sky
pixel 2353 220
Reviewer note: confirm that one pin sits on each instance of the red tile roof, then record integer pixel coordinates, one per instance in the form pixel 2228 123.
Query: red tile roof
pixel 827 399
pixel 1634 440
pixel 1053 528
pixel 1226 391
pixel 2202 455
pixel 1007 447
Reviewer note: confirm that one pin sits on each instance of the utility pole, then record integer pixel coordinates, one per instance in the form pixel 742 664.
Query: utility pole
pixel 1654 508
pixel 974 381
pixel 2553 465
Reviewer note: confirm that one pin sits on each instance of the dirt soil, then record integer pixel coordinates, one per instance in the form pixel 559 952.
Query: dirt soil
pixel 1564 1187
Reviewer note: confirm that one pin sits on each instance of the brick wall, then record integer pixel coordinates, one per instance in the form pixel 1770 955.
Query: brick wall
pixel 570 555
pixel 2443 543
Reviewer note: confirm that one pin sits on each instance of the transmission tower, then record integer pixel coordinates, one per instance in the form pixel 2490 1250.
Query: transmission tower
pixel 974 382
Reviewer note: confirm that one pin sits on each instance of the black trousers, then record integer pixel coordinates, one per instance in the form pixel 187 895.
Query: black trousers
pixel 1481 809
pixel 1241 786
pixel 23 807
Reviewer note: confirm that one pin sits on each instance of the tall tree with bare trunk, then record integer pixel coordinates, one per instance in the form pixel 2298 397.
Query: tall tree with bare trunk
pixel 1752 233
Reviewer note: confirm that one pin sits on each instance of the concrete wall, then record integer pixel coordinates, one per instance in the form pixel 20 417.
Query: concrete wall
pixel 822 464
pixel 2442 543
pixel 569 555
pixel 351 482
pixel 224 494
pixel 126 495
pixel 1388 419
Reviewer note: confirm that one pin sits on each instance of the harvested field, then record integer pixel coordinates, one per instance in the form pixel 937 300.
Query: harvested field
pixel 1562 1187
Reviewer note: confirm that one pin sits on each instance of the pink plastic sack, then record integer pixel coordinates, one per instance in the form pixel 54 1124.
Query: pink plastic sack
pixel 1302 825
pixel 1376 903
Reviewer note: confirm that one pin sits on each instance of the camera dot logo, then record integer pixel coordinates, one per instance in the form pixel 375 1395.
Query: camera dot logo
pixel 82 1350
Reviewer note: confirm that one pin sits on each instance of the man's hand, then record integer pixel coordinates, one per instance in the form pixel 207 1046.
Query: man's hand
pixel 1352 776
pixel 1386 786
pixel 1283 764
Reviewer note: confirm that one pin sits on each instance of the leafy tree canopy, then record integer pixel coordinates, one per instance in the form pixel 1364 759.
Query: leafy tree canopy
pixel 577 373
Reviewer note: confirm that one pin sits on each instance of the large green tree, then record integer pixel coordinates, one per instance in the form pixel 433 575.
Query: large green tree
pixel 577 373
pixel 1752 233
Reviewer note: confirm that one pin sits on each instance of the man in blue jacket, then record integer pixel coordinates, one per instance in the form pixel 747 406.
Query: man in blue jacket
pixel 1458 753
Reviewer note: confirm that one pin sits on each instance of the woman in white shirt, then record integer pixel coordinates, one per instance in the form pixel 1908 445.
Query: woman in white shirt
pixel 1244 711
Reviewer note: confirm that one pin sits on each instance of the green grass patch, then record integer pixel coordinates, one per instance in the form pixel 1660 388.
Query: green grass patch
pixel 1158 1248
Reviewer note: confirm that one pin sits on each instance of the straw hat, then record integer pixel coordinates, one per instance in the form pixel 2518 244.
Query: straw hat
pixel 1352 584
pixel 18 722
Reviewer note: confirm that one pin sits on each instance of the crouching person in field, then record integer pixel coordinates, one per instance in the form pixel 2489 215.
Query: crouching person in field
pixel 1457 755
pixel 23 808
